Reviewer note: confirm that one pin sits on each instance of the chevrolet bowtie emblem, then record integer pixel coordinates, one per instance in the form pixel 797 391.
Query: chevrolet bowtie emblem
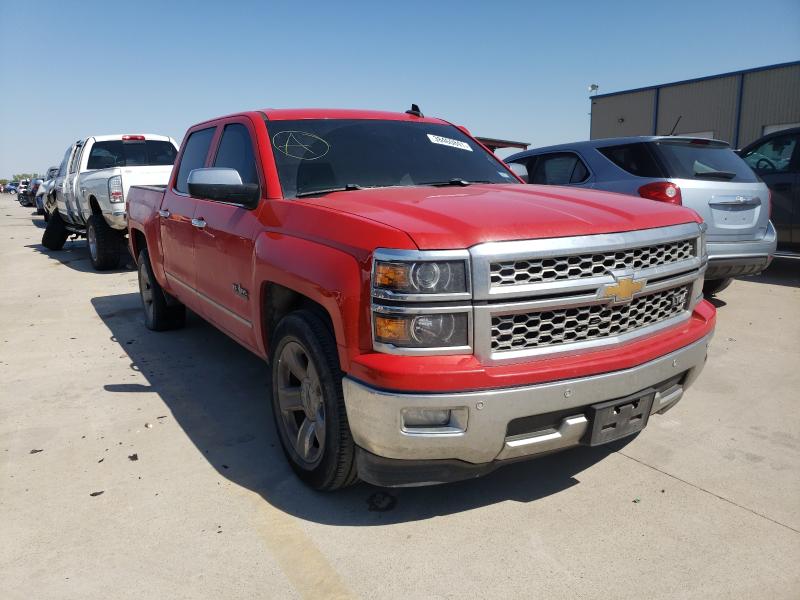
pixel 623 290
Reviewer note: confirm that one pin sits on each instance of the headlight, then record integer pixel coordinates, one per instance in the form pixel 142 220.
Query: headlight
pixel 435 330
pixel 445 277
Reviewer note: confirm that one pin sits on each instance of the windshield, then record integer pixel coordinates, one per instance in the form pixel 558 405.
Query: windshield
pixel 119 153
pixel 704 160
pixel 329 154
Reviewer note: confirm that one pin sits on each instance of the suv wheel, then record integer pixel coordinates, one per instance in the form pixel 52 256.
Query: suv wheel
pixel 308 403
pixel 55 234
pixel 161 311
pixel 104 243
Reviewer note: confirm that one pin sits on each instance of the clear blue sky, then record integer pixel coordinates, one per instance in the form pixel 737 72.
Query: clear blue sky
pixel 510 69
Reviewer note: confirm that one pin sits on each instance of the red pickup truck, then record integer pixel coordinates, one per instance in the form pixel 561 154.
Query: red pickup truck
pixel 426 317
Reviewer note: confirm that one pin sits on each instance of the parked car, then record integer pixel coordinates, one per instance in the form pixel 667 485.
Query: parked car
pixel 11 187
pixel 704 175
pixel 427 317
pixel 25 191
pixel 44 190
pixel 776 159
pixel 91 187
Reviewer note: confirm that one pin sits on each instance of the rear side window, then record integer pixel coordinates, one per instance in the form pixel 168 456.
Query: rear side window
pixel 194 156
pixel 636 159
pixel 563 168
pixel 236 152
pixel 119 153
pixel 702 160
pixel 773 156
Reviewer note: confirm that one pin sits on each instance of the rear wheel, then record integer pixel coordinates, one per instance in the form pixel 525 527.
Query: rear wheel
pixel 161 311
pixel 308 402
pixel 104 243
pixel 715 286
pixel 55 234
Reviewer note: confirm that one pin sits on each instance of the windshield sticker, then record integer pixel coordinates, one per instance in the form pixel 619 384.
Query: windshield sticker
pixel 300 144
pixel 506 175
pixel 437 139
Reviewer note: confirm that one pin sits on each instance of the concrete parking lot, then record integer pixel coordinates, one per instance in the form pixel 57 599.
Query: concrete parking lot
pixel 135 464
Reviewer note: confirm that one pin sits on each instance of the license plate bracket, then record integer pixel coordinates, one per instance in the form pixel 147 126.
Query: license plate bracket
pixel 619 418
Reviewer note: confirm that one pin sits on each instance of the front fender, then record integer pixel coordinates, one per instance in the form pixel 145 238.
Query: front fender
pixel 332 277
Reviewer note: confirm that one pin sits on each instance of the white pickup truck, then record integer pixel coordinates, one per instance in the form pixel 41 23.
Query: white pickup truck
pixel 88 198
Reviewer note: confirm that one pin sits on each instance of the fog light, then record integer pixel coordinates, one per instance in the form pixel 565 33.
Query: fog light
pixel 426 417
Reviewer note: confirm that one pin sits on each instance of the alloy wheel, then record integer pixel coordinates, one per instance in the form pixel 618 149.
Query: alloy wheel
pixel 302 405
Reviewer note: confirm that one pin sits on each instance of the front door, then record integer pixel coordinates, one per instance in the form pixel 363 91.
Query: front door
pixel 176 214
pixel 773 161
pixel 224 241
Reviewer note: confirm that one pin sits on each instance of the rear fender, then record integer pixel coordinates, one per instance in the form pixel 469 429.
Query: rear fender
pixel 329 276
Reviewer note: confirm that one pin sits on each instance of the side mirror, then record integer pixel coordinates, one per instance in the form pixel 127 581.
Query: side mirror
pixel 520 171
pixel 223 185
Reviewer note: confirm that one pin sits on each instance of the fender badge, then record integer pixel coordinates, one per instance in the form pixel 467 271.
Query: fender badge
pixel 240 291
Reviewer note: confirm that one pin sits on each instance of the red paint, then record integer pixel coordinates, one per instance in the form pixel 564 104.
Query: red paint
pixel 322 248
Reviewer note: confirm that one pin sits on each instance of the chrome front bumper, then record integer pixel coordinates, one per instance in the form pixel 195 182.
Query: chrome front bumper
pixel 480 437
pixel 731 259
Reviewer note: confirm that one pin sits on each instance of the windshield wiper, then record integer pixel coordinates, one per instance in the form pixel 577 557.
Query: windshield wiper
pixel 346 188
pixel 454 181
pixel 716 174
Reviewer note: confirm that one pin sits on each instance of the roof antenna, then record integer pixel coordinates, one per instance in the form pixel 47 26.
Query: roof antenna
pixel 415 111
pixel 674 127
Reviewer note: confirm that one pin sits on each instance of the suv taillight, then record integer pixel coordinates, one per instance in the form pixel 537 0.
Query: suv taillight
pixel 663 191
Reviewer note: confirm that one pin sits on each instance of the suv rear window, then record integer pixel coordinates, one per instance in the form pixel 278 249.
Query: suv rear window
pixel 703 160
pixel 637 159
pixel 118 153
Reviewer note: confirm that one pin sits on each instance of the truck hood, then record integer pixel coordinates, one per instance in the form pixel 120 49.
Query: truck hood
pixel 459 217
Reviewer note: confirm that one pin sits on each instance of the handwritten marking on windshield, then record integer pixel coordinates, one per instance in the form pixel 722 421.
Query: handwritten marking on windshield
pixel 300 144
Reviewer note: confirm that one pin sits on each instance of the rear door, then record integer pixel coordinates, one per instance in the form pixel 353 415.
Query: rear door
pixel 224 241
pixel 776 162
pixel 719 185
pixel 71 183
pixel 176 213
pixel 558 168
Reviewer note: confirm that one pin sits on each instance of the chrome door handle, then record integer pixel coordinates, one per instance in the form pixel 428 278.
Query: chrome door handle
pixel 163 213
pixel 199 223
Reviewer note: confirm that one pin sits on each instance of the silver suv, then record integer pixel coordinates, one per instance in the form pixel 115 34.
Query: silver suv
pixel 705 175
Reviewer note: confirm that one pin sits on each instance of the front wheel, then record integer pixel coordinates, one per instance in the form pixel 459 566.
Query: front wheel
pixel 55 234
pixel 715 286
pixel 308 403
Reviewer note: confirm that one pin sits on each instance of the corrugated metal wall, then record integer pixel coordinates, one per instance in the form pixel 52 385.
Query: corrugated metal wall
pixel 635 110
pixel 769 98
pixel 703 106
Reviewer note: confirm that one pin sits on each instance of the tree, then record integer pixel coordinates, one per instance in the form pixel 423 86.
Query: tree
pixel 19 176
pixel 3 181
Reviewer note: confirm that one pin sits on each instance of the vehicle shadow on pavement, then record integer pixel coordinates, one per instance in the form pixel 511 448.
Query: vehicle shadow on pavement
pixel 218 393
pixel 75 255
pixel 784 270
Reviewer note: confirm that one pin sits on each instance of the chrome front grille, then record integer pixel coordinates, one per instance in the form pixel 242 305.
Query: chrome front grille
pixel 579 266
pixel 543 328
pixel 546 296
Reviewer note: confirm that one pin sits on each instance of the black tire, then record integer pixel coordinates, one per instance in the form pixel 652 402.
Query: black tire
pixel 55 234
pixel 104 243
pixel 715 286
pixel 335 467
pixel 46 216
pixel 161 311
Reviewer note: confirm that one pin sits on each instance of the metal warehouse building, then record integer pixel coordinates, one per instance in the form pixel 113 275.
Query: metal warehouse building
pixel 738 107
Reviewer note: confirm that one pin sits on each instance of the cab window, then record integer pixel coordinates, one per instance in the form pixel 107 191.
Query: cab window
pixel 236 152
pixel 194 156
pixel 773 156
